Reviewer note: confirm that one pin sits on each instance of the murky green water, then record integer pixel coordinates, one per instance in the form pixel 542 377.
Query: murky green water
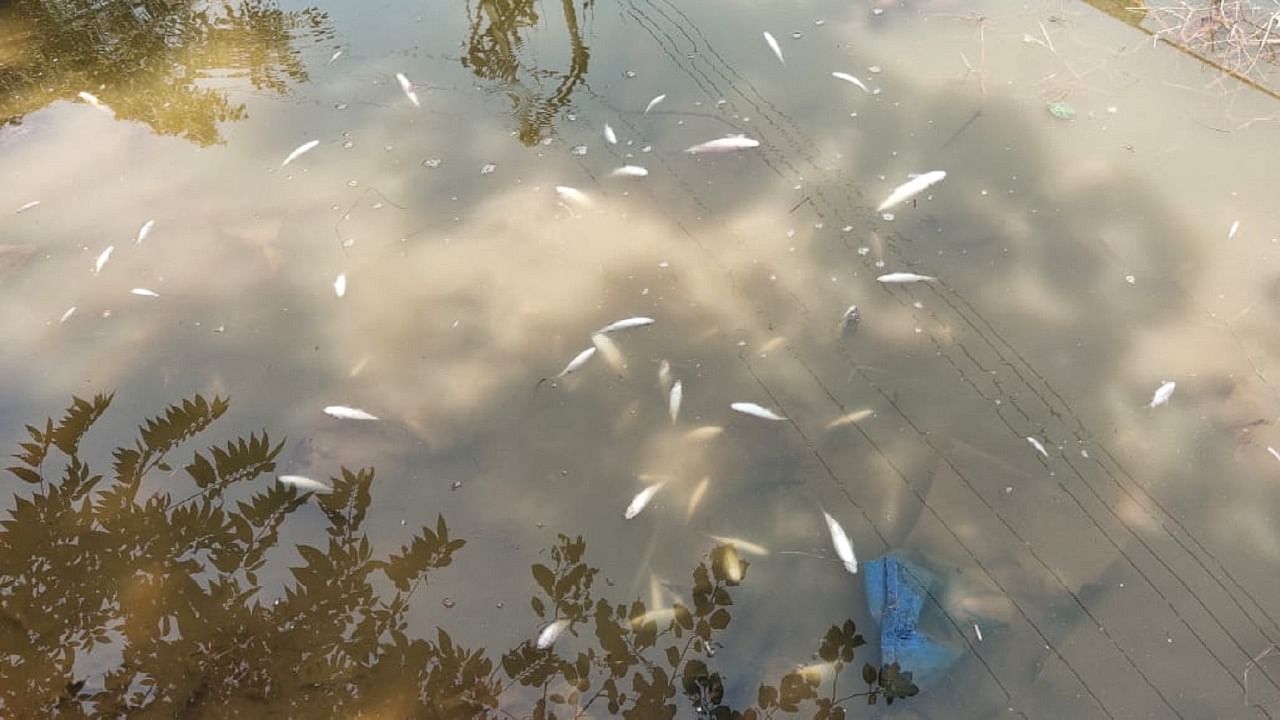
pixel 1085 250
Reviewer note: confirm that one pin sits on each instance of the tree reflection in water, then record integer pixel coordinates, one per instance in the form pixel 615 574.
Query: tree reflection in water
pixel 493 54
pixel 156 62
pixel 163 596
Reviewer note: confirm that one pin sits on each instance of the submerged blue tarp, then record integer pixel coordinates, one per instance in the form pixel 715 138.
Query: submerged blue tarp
pixel 896 592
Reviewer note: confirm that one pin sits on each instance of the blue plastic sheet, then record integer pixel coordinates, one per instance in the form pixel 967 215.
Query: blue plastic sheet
pixel 896 594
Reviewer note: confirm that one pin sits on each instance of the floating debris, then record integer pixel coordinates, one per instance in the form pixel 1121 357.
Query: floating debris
pixel 850 418
pixel 745 546
pixel 749 408
pixel 653 102
pixel 67 315
pixel 305 483
pixel 842 544
pixel 578 150
pixel 550 634
pixel 724 144
pixel 850 319
pixel 904 277
pixel 916 185
pixel 144 232
pixel 103 257
pixel 342 412
pixel 143 292
pixel 299 151
pixel 641 499
pixel 609 349
pixel 340 285
pixel 432 162
pixel 1061 110
pixel 573 196
pixel 977 632
pixel 627 324
pixel 1163 393
pixel 609 135
pixel 851 79
pixel 488 168
pixel 773 45
pixel 29 206
pixel 629 171
pixel 1235 227
pixel 1039 446
pixel 407 87
pixel 674 399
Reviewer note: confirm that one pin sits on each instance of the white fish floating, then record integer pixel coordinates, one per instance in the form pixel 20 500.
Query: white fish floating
pixel 67 315
pixel 749 408
pixel 695 497
pixel 299 151
pixel 1039 446
pixel 653 102
pixel 305 483
pixel 706 432
pixel 851 79
pixel 1274 453
pixel 629 171
pixel 609 349
pixel 904 277
pixel 103 257
pixel 851 418
pixel 1235 227
pixel 655 615
pixel 143 292
pixel 674 399
pixel 144 232
pixel 641 499
pixel 94 102
pixel 977 632
pixel 407 87
pixel 334 56
pixel 29 206
pixel 342 412
pixel 627 324
pixel 1163 393
pixel 664 374
pixel 724 144
pixel 773 45
pixel 610 135
pixel 573 196
pixel 340 285
pixel 911 188
pixel 577 362
pixel 745 546
pixel 550 634
pixel 842 544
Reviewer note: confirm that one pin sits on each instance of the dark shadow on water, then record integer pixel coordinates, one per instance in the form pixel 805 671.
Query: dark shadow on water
pixel 163 64
pixel 161 595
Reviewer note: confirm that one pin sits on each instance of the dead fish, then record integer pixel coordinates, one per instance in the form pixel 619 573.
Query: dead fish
pixel 640 500
pixel 731 565
pixel 977 632
pixel 573 196
pixel 656 615
pixel 724 144
pixel 610 135
pixel 299 151
pixel 706 432
pixel 305 483
pixel 342 412
pixel 334 56
pixel 31 205
pixel 627 324
pixel 911 188
pixel 143 292
pixel 103 257
pixel 577 362
pixel 1163 393
pixel 653 102
pixel 340 285
pixel 695 498
pixel 1274 453
pixel 851 79
pixel 664 375
pixel 748 408
pixel 850 418
pixel 94 101
pixel 1235 227
pixel 1035 443
pixel 674 400
pixel 609 349
pixel 745 546
pixel 629 171
pixel 773 45
pixel 904 277
pixel 842 544
pixel 67 315
pixel 144 232
pixel 850 319
pixel 407 87
pixel 550 634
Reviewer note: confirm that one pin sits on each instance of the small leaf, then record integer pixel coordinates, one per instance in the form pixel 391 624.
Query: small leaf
pixel 869 674
pixel 26 474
